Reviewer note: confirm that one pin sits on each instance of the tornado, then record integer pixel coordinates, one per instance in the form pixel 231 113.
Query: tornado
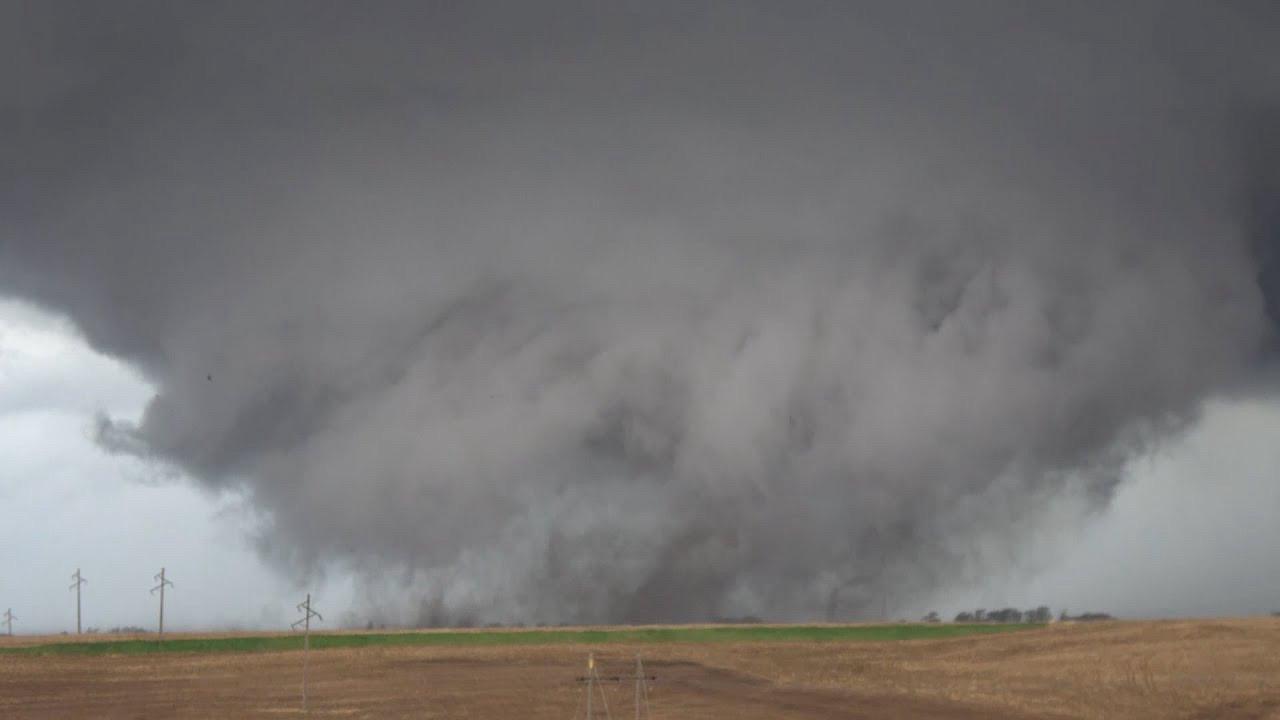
pixel 653 311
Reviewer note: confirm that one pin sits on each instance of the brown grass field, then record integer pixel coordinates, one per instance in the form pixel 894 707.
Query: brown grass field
pixel 1171 669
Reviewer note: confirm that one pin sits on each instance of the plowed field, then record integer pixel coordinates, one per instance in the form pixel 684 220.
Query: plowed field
pixel 1183 669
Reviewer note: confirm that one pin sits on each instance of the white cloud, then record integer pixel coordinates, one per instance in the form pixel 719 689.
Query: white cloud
pixel 68 504
pixel 1192 532
pixel 45 366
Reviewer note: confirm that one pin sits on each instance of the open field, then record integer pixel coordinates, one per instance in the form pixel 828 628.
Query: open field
pixel 1176 669
pixel 133 645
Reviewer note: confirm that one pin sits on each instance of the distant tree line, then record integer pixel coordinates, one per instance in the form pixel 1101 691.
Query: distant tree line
pixel 118 630
pixel 1084 617
pixel 1041 614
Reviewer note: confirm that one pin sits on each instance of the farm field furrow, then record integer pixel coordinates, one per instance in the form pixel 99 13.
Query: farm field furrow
pixel 1177 669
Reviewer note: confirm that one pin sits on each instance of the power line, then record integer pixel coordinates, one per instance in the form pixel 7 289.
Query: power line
pixel 308 613
pixel 76 586
pixel 163 582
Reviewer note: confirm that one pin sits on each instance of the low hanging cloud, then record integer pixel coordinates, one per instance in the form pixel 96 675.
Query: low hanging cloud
pixel 661 312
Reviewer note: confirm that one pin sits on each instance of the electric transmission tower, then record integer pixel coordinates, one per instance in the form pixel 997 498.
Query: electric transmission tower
pixel 595 685
pixel 76 586
pixel 642 690
pixel 163 582
pixel 593 682
pixel 9 617
pixel 307 613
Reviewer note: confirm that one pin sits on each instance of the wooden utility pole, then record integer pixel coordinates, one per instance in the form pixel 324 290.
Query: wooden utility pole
pixel 76 586
pixel 163 582
pixel 308 613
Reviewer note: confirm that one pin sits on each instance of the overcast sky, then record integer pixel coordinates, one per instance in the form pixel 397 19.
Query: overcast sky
pixel 640 312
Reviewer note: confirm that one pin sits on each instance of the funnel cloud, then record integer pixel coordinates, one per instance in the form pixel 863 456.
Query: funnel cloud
pixel 651 311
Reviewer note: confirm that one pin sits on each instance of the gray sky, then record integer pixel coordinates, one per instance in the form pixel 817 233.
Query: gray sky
pixel 657 311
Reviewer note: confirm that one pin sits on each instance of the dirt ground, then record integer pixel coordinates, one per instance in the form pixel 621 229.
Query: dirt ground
pixel 1182 669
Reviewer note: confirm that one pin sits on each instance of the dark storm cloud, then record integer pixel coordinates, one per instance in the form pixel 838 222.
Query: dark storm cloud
pixel 1263 203
pixel 665 311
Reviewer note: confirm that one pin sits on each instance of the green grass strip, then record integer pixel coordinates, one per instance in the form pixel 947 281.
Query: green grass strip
pixel 490 638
